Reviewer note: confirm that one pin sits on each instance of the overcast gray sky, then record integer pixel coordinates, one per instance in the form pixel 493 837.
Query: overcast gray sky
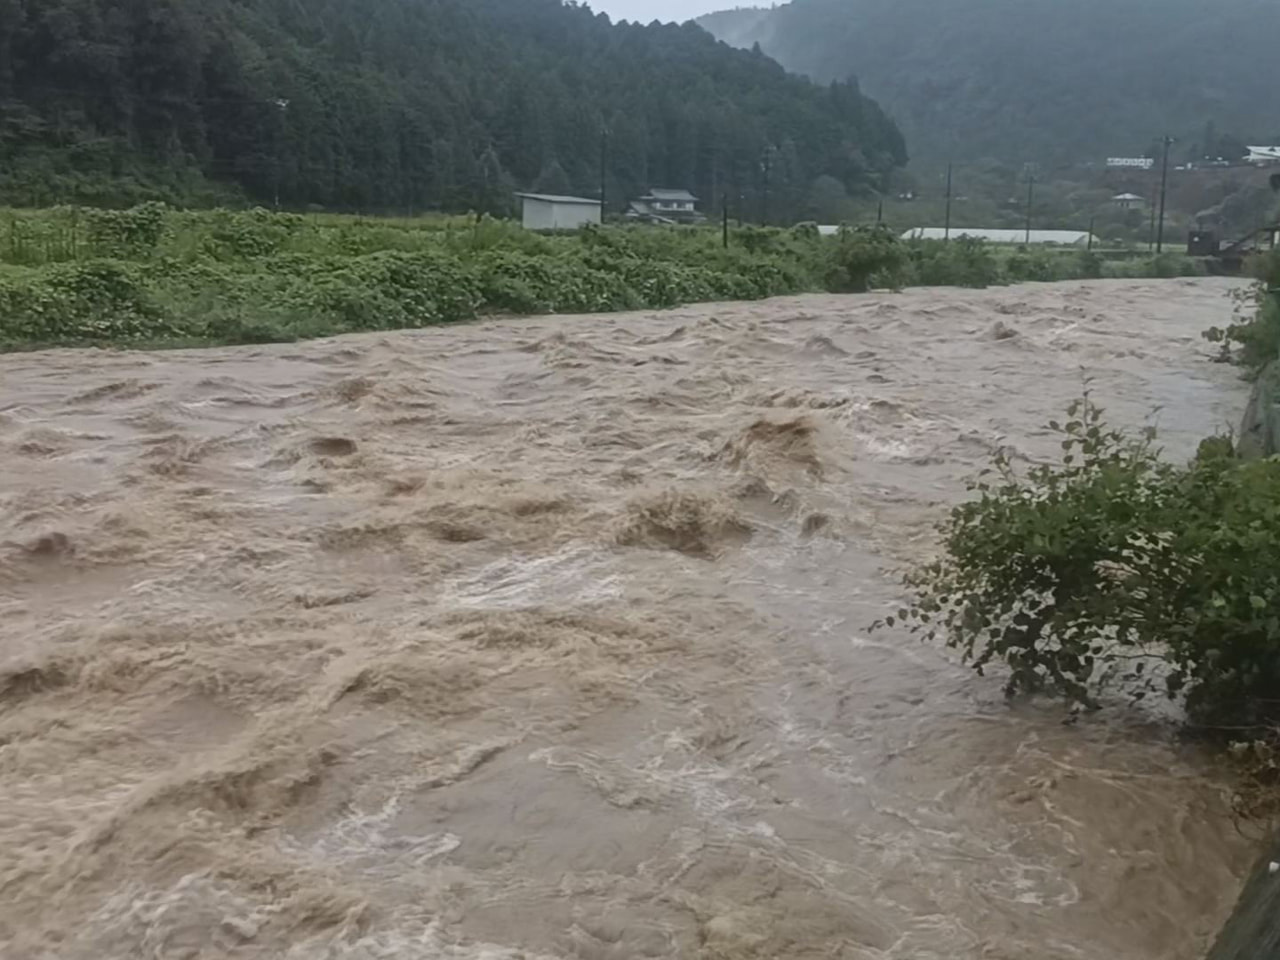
pixel 677 10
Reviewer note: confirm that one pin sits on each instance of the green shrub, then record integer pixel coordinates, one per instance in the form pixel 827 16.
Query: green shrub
pixel 1169 265
pixel 806 232
pixel 861 254
pixel 660 283
pixel 93 301
pixel 381 291
pixel 761 239
pixel 50 236
pixel 1113 566
pixel 126 234
pixel 1088 265
pixel 1256 330
pixel 1030 265
pixel 520 283
pixel 249 234
pixel 963 262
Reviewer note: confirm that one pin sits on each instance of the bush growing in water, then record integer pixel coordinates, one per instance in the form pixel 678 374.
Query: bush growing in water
pixel 1116 565
pixel 1256 332
pixel 862 257
pixel 382 291
pixel 520 283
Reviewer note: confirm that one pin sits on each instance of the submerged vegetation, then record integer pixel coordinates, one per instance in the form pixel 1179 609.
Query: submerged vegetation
pixel 1114 567
pixel 153 275
pixel 1254 338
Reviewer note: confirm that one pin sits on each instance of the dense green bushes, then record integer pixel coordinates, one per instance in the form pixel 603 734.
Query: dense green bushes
pixel 96 300
pixel 963 262
pixel 865 258
pixel 154 274
pixel 1115 566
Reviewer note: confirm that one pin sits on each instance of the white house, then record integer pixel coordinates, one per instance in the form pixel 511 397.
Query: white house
pixel 665 206
pixel 1066 238
pixel 1263 156
pixel 544 211
pixel 1129 201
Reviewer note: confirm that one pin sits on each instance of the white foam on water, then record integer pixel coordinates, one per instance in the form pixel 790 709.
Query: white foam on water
pixel 578 574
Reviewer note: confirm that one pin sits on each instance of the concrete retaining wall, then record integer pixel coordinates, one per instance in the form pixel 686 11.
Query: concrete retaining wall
pixel 1260 431
pixel 1253 932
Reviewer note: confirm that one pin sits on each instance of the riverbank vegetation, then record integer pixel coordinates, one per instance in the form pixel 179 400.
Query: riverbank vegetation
pixel 153 275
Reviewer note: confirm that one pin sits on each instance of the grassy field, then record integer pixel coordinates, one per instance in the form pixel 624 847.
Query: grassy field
pixel 156 276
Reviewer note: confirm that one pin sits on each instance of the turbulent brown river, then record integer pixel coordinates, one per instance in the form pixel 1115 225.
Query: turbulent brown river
pixel 547 638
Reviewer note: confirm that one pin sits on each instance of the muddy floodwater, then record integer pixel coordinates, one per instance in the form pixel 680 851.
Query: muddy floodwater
pixel 546 638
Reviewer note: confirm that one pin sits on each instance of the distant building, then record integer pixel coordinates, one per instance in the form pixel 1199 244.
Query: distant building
pixel 1066 238
pixel 1130 163
pixel 1128 201
pixel 665 206
pixel 1263 156
pixel 544 211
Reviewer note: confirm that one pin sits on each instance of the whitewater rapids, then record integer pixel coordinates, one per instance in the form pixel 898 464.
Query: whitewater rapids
pixel 546 638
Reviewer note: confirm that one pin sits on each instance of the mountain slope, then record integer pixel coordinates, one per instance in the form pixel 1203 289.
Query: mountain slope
pixel 400 104
pixel 1035 79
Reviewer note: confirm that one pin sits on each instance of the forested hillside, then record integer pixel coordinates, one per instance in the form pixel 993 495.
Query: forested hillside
pixel 1040 80
pixel 404 105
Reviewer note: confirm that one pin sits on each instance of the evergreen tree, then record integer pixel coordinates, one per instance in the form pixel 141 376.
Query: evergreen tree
pixel 553 180
pixel 402 105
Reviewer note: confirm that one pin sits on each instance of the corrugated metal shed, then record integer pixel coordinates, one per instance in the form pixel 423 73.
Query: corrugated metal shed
pixel 545 211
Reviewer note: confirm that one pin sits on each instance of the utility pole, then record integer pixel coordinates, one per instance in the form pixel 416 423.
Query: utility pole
pixel 282 107
pixel 764 169
pixel 604 162
pixel 1031 198
pixel 724 219
pixel 1151 233
pixel 1092 223
pixel 1164 188
pixel 880 213
pixel 946 233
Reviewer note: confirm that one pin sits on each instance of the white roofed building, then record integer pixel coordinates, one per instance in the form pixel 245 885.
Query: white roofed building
pixel 1263 156
pixel 1065 238
pixel 1130 163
